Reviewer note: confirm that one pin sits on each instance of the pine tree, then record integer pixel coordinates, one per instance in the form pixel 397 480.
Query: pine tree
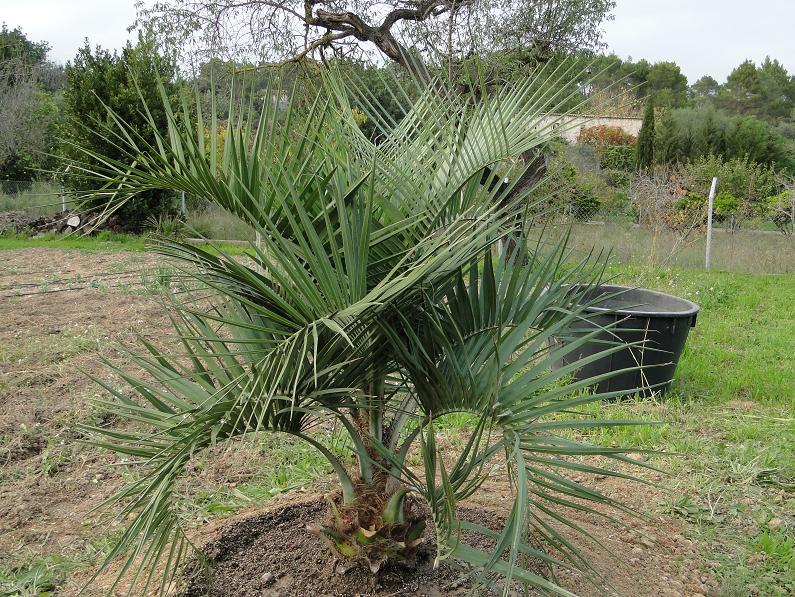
pixel 644 157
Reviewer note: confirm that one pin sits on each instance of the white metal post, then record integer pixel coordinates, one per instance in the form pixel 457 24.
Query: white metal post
pixel 63 195
pixel 258 243
pixel 182 203
pixel 712 192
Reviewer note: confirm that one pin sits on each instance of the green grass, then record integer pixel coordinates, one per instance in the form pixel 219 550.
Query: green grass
pixel 728 425
pixel 34 577
pixel 219 224
pixel 54 348
pixel 744 339
pixel 752 251
pixel 103 242
pixel 272 463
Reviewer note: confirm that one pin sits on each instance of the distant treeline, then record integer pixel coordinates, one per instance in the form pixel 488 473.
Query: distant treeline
pixel 48 109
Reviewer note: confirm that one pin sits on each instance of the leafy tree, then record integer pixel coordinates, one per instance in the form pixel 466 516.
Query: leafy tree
pixel 264 31
pixel 15 45
pixel 777 90
pixel 97 81
pixel 609 69
pixel 378 303
pixel 644 156
pixel 689 134
pixel 28 113
pixel 753 138
pixel 767 91
pixel 662 81
pixel 780 209
pixel 527 31
pixel 667 85
pixel 704 91
pixel 750 183
pixel 787 132
pixel 741 93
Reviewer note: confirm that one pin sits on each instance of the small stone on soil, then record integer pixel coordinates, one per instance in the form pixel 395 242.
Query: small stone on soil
pixel 775 524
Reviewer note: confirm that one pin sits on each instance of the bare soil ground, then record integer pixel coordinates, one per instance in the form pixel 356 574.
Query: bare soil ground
pixel 264 555
pixel 50 484
pixel 269 553
pixel 49 339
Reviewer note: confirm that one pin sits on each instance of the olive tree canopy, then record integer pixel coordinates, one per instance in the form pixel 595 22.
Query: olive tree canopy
pixel 279 30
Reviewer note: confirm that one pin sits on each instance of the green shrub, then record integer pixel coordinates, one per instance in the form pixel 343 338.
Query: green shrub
pixel 167 225
pixel 617 200
pixel 97 80
pixel 601 136
pixel 725 205
pixel 690 201
pixel 575 188
pixel 618 179
pixel 19 167
pixel 687 135
pixel 617 157
pixel 749 182
pixel 585 206
pixel 781 209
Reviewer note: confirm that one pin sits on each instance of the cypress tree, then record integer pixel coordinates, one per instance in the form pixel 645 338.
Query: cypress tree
pixel 644 156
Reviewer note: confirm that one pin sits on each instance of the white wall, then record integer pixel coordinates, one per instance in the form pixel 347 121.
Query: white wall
pixel 569 127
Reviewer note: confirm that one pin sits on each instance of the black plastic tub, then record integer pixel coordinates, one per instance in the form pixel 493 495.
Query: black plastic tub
pixel 659 322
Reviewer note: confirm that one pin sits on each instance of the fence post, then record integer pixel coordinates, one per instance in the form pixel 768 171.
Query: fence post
pixel 258 243
pixel 792 213
pixel 182 203
pixel 709 221
pixel 63 195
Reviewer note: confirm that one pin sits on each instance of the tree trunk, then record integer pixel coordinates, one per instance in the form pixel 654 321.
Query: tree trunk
pixel 377 527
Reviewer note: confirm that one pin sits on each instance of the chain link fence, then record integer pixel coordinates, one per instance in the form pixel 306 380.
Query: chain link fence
pixel 35 198
pixel 653 226
pixel 24 202
pixel 673 233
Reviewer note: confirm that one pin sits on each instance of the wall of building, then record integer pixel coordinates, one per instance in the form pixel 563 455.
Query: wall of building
pixel 569 127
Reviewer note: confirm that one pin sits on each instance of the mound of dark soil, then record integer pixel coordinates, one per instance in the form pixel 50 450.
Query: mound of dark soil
pixel 272 554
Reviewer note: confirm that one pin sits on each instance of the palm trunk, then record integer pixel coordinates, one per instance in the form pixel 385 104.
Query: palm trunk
pixel 377 527
pixel 379 523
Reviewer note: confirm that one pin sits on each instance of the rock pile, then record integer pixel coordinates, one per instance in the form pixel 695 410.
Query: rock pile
pixel 64 222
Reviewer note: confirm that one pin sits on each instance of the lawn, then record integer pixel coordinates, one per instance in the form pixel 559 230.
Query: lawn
pixel 103 242
pixel 745 250
pixel 731 422
pixel 728 426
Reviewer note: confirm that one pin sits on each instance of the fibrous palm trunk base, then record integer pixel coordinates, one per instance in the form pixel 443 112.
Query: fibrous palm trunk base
pixel 364 534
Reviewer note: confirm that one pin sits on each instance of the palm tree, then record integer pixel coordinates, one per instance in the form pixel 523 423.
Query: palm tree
pixel 380 299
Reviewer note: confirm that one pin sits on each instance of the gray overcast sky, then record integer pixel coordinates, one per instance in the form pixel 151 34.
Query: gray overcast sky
pixel 66 23
pixel 706 37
